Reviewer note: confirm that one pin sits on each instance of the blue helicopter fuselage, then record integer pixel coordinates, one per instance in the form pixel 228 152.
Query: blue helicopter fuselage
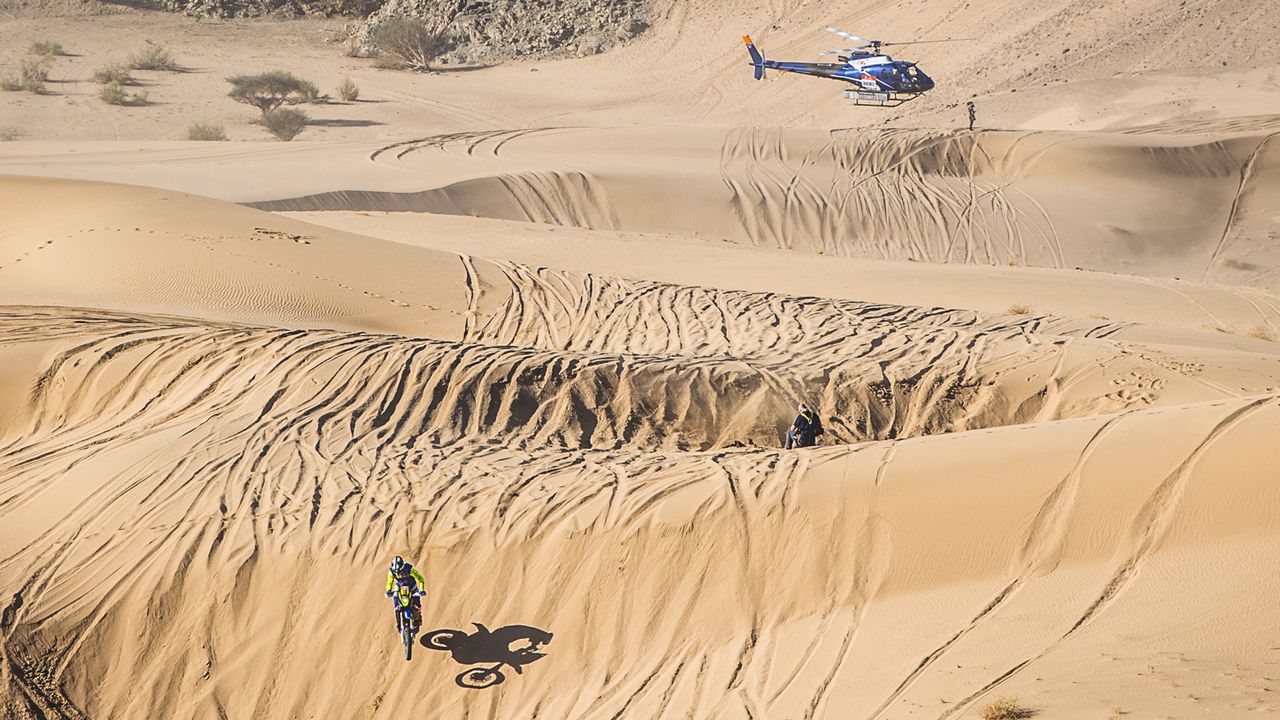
pixel 867 71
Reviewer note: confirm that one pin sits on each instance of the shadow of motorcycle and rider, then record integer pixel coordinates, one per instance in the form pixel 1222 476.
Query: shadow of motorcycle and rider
pixel 512 645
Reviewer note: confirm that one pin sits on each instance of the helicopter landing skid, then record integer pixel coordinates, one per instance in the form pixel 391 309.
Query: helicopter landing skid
pixel 877 99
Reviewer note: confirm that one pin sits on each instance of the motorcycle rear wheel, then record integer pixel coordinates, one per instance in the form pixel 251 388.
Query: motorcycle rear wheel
pixel 441 639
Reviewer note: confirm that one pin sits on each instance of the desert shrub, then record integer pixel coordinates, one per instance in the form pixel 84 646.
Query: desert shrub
pixel 406 43
pixel 114 94
pixel 284 123
pixel 32 75
pixel 114 73
pixel 1006 708
pixel 308 92
pixel 206 131
pixel 1262 332
pixel 1019 309
pixel 9 133
pixel 47 48
pixel 12 83
pixel 269 90
pixel 153 56
pixel 348 90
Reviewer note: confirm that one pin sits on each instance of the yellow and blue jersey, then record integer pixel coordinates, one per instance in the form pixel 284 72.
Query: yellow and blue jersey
pixel 413 575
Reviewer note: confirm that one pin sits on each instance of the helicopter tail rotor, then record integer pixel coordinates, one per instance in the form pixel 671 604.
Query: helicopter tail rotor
pixel 757 58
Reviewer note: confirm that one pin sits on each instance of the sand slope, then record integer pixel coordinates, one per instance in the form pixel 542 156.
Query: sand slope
pixel 1195 206
pixel 163 526
pixel 573 452
pixel 540 328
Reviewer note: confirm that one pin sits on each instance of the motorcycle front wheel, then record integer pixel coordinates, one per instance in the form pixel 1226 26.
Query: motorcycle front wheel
pixel 477 678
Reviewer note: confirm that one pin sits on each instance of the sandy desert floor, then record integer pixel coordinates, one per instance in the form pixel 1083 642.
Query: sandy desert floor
pixel 540 327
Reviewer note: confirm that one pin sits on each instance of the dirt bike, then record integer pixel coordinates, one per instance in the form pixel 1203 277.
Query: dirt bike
pixel 404 619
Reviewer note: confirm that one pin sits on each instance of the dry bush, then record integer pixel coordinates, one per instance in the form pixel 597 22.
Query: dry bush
pixel 348 90
pixel 1019 309
pixel 153 56
pixel 34 74
pixel 9 133
pixel 284 123
pixel 206 131
pixel 114 94
pixel 47 48
pixel 269 90
pixel 1262 332
pixel 308 92
pixel 406 43
pixel 31 77
pixel 1006 709
pixel 114 73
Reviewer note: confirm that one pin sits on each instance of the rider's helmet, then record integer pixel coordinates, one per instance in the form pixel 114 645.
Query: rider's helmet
pixel 397 565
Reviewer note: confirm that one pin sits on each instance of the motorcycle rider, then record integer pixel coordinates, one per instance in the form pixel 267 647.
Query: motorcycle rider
pixel 402 574
pixel 805 430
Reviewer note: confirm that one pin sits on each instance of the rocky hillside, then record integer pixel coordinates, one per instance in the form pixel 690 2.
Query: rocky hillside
pixel 505 29
pixel 479 30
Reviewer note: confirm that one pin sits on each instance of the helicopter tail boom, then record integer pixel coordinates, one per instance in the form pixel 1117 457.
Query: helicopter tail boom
pixel 757 59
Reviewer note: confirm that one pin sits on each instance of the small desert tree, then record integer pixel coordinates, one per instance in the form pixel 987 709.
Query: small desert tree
pixel 284 123
pixel 407 43
pixel 269 90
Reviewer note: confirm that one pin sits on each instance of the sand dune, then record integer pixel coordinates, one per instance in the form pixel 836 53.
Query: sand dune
pixel 542 333
pixel 1170 206
pixel 1176 205
pixel 603 446
pixel 233 461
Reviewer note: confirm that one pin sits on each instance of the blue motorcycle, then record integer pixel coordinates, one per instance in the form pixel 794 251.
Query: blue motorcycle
pixel 405 625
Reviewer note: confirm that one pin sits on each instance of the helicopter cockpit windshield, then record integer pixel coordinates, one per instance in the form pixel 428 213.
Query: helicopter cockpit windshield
pixel 908 77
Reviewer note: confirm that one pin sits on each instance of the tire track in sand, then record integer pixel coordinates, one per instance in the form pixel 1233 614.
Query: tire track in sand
pixel 1146 532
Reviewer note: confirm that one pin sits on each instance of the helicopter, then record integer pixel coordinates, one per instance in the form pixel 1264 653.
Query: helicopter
pixel 877 79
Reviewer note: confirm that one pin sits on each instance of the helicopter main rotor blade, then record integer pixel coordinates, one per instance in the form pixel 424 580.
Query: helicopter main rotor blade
pixel 925 42
pixel 849 36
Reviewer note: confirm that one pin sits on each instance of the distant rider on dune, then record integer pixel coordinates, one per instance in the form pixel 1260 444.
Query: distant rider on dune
pixel 403 574
pixel 805 430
